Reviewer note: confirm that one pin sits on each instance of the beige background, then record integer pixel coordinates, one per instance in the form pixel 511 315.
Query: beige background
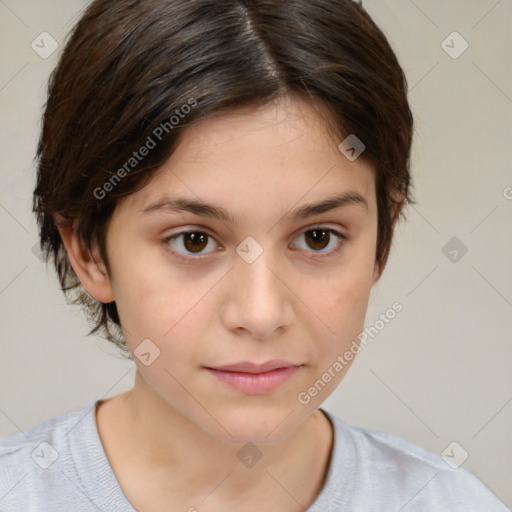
pixel 441 370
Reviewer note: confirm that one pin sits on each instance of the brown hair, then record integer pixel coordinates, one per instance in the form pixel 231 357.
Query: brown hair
pixel 132 69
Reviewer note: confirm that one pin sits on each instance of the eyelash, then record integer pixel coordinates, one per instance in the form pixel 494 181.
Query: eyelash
pixel 193 259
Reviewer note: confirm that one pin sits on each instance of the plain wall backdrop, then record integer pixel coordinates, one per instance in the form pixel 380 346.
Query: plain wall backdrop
pixel 440 371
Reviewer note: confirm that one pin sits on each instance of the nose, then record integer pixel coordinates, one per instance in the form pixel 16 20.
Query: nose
pixel 259 301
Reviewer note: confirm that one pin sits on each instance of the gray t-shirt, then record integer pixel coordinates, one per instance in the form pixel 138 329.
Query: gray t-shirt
pixel 60 465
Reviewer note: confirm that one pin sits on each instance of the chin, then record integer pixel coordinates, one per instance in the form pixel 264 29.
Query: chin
pixel 261 425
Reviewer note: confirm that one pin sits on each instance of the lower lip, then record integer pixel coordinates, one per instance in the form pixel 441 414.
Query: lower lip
pixel 255 383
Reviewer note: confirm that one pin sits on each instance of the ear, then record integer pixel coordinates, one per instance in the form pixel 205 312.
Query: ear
pixel 87 265
pixel 377 272
pixel 378 269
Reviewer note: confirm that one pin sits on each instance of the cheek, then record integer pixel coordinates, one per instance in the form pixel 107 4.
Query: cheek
pixel 342 306
pixel 345 292
pixel 168 308
pixel 150 303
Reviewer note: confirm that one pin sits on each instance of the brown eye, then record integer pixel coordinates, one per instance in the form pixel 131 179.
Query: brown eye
pixel 190 243
pixel 317 239
pixel 321 240
pixel 195 242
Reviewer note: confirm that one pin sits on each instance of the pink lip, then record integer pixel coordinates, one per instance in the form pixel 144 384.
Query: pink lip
pixel 255 379
pixel 248 367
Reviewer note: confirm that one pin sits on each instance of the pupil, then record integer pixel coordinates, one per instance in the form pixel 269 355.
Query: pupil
pixel 193 241
pixel 320 237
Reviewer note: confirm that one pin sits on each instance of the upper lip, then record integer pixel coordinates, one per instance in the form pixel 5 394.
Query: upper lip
pixel 249 367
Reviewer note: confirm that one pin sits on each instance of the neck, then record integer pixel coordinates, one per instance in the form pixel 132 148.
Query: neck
pixel 163 442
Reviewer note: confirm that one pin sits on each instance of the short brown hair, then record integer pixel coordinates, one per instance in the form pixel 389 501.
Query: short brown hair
pixel 131 66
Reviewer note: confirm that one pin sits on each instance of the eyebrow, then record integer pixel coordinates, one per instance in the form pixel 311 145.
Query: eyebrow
pixel 200 208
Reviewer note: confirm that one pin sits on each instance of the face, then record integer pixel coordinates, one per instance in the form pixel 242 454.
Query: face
pixel 198 293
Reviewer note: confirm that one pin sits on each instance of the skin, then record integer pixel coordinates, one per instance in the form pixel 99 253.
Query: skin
pixel 174 437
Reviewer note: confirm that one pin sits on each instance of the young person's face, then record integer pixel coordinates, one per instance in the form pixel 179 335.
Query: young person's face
pixel 300 300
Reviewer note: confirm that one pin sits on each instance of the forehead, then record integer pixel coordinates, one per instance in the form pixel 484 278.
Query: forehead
pixel 252 160
pixel 289 124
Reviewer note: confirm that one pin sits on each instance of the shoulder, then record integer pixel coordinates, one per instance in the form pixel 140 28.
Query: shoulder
pixel 37 447
pixel 386 465
pixel 34 465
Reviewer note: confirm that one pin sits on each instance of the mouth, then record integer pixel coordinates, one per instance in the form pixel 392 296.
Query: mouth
pixel 255 379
